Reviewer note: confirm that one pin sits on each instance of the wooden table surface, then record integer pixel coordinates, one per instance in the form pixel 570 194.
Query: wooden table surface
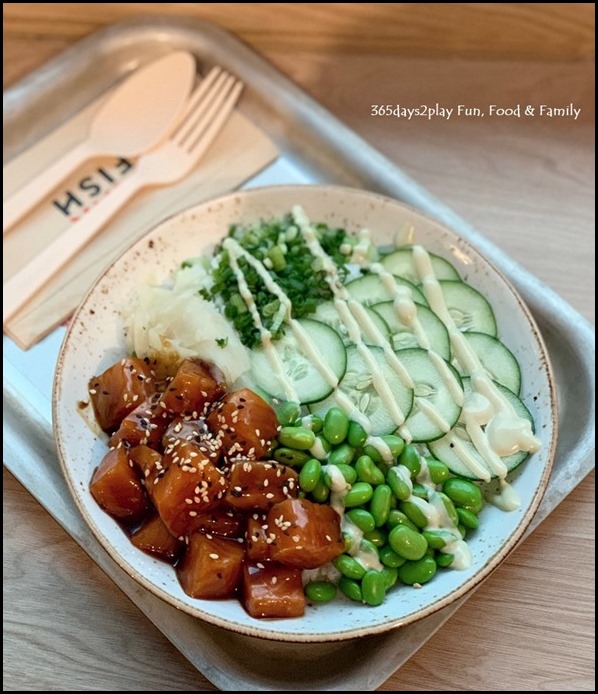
pixel 526 183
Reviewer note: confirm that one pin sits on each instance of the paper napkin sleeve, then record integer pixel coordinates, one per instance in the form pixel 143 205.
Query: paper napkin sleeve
pixel 240 151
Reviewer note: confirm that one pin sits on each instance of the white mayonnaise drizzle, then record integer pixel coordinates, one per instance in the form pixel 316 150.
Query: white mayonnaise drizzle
pixel 505 432
pixel 491 422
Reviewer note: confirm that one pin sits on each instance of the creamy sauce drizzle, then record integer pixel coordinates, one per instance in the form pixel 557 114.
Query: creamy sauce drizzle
pixel 505 432
pixel 491 422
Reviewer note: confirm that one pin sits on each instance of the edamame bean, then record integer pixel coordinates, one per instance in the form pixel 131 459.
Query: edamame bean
pixel 288 456
pixel 373 588
pixel 420 490
pixel 313 422
pixel 367 471
pixel 468 519
pixel 464 493
pixel 391 574
pixel 437 470
pixel 299 438
pixel 372 453
pixel 450 508
pixel 288 413
pixel 410 459
pixel 350 588
pixel 346 471
pixel 438 539
pixel 320 449
pixel 359 494
pixel 357 435
pixel 395 443
pixel 347 541
pixel 349 567
pixel 320 492
pixel 444 559
pixel 420 571
pixel 367 547
pixel 362 519
pixel 310 475
pixel 407 543
pixel 414 513
pixel 390 558
pixel 336 425
pixel 320 591
pixel 377 537
pixel 396 517
pixel 380 504
pixel 399 487
pixel 341 455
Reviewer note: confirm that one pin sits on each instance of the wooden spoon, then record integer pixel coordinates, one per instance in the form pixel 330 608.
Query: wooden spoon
pixel 140 112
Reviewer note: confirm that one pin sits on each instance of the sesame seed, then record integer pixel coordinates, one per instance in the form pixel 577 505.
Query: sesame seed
pixel 189 501
pixel 274 579
pixel 295 538
pixel 193 513
pixel 269 495
pixel 92 391
pixel 328 538
pixel 260 565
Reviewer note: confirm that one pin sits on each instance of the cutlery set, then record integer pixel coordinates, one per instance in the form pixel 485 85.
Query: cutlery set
pixel 150 115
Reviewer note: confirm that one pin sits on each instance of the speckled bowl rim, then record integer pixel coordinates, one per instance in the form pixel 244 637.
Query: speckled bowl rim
pixel 349 633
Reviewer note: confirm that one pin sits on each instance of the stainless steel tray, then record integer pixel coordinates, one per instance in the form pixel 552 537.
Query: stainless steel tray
pixel 315 147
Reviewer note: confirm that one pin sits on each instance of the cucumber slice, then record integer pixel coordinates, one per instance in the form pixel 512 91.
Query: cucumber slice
pixel 370 289
pixel 497 359
pixel 431 390
pixel 443 450
pixel 357 385
pixel 327 313
pixel 402 336
pixel 400 263
pixel 468 308
pixel 308 382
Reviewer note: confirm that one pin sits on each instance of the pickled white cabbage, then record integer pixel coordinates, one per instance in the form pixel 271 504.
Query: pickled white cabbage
pixel 174 323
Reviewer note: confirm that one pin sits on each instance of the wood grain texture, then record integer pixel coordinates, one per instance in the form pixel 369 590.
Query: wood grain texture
pixel 553 31
pixel 529 186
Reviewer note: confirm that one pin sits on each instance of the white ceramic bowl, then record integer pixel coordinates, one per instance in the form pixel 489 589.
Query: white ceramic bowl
pixel 95 341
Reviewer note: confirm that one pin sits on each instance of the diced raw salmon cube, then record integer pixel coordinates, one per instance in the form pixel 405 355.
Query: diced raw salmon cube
pixel 307 535
pixel 117 488
pixel 259 485
pixel 211 567
pixel 191 390
pixel 196 431
pixel 246 423
pixel 145 425
pixel 153 537
pixel 190 486
pixel 119 390
pixel 272 590
pixel 258 541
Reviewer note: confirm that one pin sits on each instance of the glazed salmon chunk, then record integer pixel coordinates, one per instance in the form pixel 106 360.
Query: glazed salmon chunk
pixel 272 590
pixel 211 567
pixel 117 488
pixel 120 390
pixel 246 424
pixel 153 538
pixel 192 390
pixel 191 485
pixel 306 535
pixel 259 485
